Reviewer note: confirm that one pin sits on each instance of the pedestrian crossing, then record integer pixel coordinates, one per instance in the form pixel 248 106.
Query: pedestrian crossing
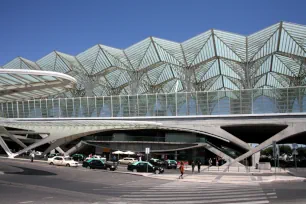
pixel 180 192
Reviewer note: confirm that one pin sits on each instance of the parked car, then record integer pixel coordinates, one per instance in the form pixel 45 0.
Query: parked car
pixel 78 157
pixel 87 161
pixel 142 166
pixel 127 160
pixel 91 158
pixel 94 156
pixel 98 164
pixel 38 153
pixel 62 161
pixel 53 155
pixel 171 164
pixel 156 162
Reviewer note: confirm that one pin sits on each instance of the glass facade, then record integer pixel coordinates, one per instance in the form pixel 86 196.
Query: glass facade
pixel 251 101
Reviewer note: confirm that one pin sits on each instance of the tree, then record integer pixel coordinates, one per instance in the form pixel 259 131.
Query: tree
pixel 285 149
pixel 268 151
pixel 301 152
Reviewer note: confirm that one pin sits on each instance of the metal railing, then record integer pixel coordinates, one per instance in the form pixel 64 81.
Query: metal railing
pixel 230 102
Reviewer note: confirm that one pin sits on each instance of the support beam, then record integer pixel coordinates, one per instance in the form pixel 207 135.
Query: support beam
pixel 12 137
pixel 48 150
pixel 5 147
pixel 220 154
pixel 75 148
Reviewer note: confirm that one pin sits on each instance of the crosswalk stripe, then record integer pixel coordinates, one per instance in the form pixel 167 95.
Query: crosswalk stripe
pixel 191 200
pixel 196 194
pixel 251 202
pixel 198 190
pixel 192 192
pixel 220 197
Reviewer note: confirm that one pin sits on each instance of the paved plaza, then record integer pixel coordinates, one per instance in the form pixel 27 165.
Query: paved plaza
pixel 41 183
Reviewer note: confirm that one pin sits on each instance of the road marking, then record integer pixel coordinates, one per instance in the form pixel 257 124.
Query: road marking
pixel 27 201
pixel 47 197
pixel 200 190
pixel 155 198
pixel 193 193
pixel 251 202
pixel 271 193
pixel 272 197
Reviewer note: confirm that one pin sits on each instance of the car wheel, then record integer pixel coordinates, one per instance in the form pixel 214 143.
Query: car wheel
pixel 51 163
pixel 68 165
pixel 134 170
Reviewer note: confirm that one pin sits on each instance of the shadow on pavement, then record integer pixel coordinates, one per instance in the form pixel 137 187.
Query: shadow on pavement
pixel 34 172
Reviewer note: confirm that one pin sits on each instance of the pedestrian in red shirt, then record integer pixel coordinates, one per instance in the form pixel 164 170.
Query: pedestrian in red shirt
pixel 182 169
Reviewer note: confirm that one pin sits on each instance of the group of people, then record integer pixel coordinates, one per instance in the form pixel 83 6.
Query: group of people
pixel 193 164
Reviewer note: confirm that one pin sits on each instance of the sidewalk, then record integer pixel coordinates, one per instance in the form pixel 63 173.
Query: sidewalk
pixel 224 178
pixel 300 172
pixel 235 170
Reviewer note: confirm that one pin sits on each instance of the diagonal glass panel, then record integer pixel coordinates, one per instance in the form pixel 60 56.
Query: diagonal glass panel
pixel 236 43
pixel 52 62
pixel 298 33
pixel 223 50
pixel 16 63
pixel 142 54
pixel 169 51
pixel 193 46
pixel 257 42
pixel 286 66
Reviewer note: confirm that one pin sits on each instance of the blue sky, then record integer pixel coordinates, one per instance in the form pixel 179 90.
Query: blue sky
pixel 32 29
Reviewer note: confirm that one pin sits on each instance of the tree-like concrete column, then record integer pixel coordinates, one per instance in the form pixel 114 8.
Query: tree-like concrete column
pixel 291 130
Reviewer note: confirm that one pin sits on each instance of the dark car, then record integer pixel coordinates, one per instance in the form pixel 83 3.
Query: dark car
pixel 78 157
pixel 144 167
pixel 98 164
pixel 171 164
pixel 156 162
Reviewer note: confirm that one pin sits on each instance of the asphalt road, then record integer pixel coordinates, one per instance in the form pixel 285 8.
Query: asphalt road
pixel 25 182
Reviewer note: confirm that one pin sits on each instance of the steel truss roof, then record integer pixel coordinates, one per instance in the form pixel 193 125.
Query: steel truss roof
pixel 213 60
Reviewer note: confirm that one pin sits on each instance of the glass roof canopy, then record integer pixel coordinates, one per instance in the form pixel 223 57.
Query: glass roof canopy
pixel 23 84
pixel 213 60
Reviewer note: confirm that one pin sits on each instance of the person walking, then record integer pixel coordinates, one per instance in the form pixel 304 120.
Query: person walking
pixel 192 166
pixel 199 166
pixel 32 156
pixel 210 162
pixel 182 169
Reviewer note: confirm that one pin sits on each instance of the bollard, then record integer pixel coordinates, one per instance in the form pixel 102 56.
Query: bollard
pixel 238 168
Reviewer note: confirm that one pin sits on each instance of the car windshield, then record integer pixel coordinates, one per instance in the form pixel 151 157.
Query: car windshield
pixel 172 162
pixel 68 158
pixel 135 163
